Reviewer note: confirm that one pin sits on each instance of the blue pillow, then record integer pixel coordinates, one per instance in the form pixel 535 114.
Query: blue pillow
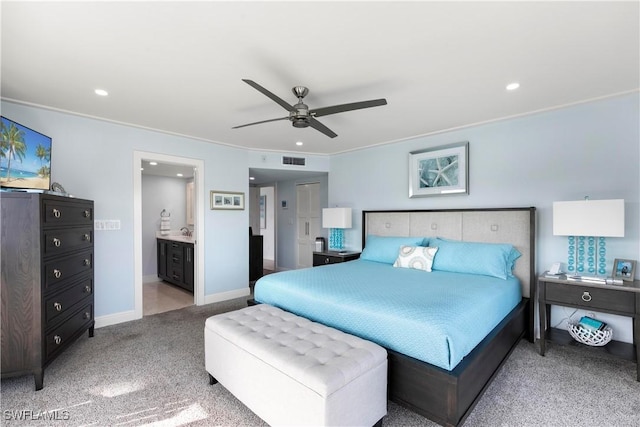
pixel 386 248
pixel 487 259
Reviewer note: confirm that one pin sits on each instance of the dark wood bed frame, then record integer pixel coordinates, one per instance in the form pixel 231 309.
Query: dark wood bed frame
pixel 448 397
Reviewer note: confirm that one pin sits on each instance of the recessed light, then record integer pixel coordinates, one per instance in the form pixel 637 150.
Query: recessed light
pixel 153 163
pixel 179 174
pixel 299 143
pixel 513 86
pixel 141 169
pixel 101 92
pixel 251 178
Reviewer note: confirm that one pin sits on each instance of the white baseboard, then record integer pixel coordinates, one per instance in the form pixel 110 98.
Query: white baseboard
pixel 282 268
pixel 150 278
pixel 127 316
pixel 224 296
pixel 113 319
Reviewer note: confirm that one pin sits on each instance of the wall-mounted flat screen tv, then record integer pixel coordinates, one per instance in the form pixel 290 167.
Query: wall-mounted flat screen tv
pixel 25 157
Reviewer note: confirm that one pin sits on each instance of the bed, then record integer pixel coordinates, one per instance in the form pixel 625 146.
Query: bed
pixel 447 333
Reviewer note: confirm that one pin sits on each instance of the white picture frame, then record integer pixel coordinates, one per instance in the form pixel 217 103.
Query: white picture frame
pixel 227 200
pixel 439 171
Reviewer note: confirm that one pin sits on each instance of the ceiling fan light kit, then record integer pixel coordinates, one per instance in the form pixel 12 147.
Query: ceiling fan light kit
pixel 301 116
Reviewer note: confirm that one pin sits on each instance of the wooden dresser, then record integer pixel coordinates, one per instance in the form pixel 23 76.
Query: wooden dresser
pixel 47 279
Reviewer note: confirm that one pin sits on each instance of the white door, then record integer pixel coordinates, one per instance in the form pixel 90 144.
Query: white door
pixel 308 214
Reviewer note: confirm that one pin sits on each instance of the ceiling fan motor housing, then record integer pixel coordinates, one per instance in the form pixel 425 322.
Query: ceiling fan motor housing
pixel 299 116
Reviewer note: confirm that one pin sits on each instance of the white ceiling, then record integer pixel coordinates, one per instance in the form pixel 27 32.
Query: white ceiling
pixel 177 66
pixel 178 171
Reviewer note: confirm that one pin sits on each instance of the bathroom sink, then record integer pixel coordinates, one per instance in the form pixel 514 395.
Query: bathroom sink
pixel 187 239
pixel 176 237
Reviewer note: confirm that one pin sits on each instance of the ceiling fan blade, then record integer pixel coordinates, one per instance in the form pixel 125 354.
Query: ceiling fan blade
pixel 284 104
pixel 325 111
pixel 263 121
pixel 322 128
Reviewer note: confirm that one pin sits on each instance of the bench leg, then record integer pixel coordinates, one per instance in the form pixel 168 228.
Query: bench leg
pixel 379 423
pixel 212 380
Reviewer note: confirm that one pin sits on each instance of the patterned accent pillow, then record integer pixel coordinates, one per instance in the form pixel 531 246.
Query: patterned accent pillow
pixel 418 257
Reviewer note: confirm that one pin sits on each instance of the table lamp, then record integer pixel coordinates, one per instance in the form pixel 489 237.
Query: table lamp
pixel 336 220
pixel 587 223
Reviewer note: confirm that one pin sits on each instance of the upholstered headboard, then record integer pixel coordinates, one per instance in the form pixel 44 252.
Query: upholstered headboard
pixel 496 225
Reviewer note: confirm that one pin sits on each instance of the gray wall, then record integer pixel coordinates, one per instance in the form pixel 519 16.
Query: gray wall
pixel 93 159
pixel 590 150
pixel 158 193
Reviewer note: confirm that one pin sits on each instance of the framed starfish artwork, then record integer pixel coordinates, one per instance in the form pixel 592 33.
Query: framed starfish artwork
pixel 439 170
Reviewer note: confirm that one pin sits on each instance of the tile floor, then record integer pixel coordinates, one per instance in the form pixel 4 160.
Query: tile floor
pixel 159 297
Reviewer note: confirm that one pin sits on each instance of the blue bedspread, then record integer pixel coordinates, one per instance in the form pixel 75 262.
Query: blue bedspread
pixel 436 317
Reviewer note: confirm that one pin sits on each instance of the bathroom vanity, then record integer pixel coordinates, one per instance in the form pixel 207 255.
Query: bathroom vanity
pixel 176 261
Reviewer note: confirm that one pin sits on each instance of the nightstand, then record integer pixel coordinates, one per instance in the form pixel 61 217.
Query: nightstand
pixel 333 257
pixel 622 299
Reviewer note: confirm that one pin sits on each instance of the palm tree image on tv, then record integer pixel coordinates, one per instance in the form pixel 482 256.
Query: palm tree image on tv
pixel 25 157
pixel 44 154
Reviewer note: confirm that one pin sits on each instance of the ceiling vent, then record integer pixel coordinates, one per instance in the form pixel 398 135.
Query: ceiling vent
pixel 297 161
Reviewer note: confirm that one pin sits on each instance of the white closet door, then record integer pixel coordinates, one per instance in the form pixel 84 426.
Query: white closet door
pixel 308 222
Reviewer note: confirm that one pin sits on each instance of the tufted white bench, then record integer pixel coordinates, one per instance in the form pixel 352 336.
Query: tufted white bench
pixel 291 371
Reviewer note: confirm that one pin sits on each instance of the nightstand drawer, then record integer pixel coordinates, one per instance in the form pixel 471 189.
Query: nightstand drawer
pixel 333 257
pixel 586 296
pixel 319 259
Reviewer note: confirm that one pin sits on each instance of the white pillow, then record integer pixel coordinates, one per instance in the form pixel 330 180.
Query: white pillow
pixel 418 257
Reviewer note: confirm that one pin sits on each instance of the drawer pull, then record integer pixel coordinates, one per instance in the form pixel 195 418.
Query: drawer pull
pixel 57 306
pixel 87 214
pixel 57 273
pixel 326 260
pixel 56 213
pixel 87 262
pixel 586 296
pixel 86 237
pixel 87 315
pixel 87 289
pixel 56 242
pixel 57 339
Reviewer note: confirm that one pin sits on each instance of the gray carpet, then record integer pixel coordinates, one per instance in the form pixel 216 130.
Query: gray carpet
pixel 151 372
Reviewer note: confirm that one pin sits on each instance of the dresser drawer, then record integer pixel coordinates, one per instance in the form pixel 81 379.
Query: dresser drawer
pixel 58 306
pixel 64 240
pixel 58 338
pixel 176 274
pixel 64 212
pixel 176 258
pixel 58 271
pixel 590 297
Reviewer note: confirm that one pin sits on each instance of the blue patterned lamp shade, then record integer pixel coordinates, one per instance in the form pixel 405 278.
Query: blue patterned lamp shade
pixel 587 223
pixel 336 220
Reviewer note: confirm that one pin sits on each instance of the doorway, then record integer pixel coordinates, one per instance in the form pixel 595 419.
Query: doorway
pixel 198 231
pixel 267 224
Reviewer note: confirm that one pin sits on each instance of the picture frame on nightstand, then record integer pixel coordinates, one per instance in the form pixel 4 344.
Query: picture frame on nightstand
pixel 624 269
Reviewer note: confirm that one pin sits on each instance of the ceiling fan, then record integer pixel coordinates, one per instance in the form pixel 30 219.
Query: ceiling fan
pixel 301 116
